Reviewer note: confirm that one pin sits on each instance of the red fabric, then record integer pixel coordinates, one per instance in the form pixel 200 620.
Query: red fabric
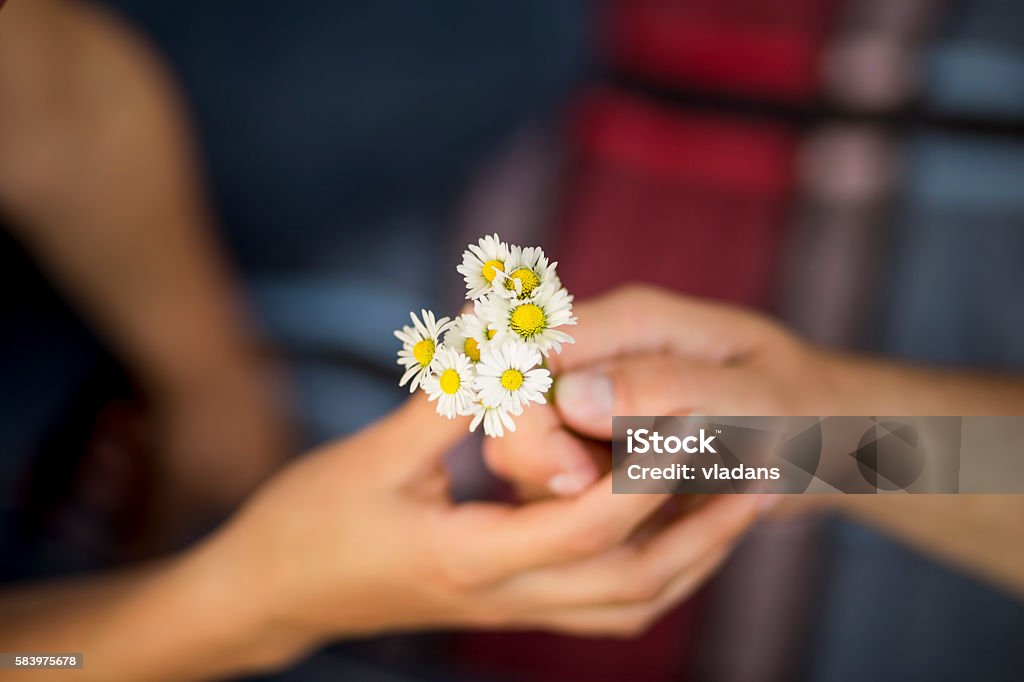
pixel 752 47
pixel 686 201
pixel 661 654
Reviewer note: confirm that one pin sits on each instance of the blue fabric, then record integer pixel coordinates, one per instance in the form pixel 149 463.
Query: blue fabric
pixel 338 333
pixel 957 265
pixel 889 614
pixel 977 67
pixel 976 80
pixel 321 120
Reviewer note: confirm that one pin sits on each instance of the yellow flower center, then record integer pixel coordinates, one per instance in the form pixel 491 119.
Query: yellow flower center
pixel 527 278
pixel 450 381
pixel 492 268
pixel 423 351
pixel 512 379
pixel 491 333
pixel 527 320
pixel 472 350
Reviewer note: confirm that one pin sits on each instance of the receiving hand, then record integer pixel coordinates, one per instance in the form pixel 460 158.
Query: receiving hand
pixel 645 351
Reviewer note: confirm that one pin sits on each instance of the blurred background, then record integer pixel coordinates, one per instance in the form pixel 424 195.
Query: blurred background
pixel 855 167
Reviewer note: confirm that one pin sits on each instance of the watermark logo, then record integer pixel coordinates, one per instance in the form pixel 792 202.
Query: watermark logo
pixel 860 455
pixel 652 441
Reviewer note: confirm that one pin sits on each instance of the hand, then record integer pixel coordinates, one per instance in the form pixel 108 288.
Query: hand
pixel 642 351
pixel 645 351
pixel 362 537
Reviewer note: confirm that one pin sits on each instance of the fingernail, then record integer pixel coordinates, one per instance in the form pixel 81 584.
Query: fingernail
pixel 569 483
pixel 586 395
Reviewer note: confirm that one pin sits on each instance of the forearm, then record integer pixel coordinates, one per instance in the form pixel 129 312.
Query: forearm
pixel 195 616
pixel 99 180
pixel 979 533
pixel 863 385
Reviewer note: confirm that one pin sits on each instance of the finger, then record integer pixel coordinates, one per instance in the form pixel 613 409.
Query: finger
pixel 638 573
pixel 652 384
pixel 642 319
pixel 490 542
pixel 630 620
pixel 541 454
pixel 414 436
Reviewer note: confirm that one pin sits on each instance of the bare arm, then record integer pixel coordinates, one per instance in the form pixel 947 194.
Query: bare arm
pixel 99 179
pixel 647 351
pixel 981 533
pixel 98 174
pixel 342 544
pixel 170 620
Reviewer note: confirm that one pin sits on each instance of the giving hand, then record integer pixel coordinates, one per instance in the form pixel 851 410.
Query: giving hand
pixel 362 537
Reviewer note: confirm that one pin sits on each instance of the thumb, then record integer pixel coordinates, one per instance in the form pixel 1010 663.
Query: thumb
pixel 415 436
pixel 641 385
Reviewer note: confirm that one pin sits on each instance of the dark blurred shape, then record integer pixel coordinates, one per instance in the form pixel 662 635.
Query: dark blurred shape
pixel 57 380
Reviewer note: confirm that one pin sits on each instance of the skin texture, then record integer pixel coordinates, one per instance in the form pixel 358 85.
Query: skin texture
pixel 361 537
pixel 641 350
pixel 99 182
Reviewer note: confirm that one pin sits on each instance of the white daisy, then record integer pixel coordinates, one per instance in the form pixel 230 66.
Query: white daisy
pixel 450 383
pixel 507 376
pixel 533 320
pixel 494 419
pixel 419 342
pixel 527 270
pixel 469 334
pixel 481 263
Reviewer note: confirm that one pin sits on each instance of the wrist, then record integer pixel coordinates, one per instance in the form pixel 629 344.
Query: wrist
pixel 241 622
pixel 182 618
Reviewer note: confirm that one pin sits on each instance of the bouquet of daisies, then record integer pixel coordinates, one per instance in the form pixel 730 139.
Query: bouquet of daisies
pixel 490 361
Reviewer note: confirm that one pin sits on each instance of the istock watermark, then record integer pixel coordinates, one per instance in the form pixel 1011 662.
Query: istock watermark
pixel 854 455
pixel 648 441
